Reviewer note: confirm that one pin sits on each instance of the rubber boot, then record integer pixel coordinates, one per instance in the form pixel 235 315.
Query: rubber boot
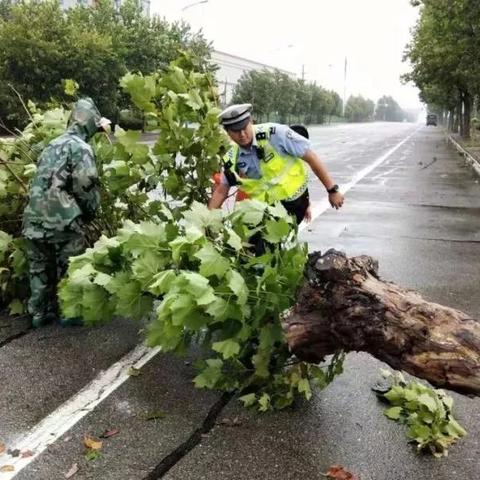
pixel 71 322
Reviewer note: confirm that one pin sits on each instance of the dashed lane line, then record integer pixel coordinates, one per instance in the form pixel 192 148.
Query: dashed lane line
pixel 52 427
pixel 321 206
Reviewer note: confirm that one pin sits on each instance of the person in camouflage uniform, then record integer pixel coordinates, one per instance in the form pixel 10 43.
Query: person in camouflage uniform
pixel 64 195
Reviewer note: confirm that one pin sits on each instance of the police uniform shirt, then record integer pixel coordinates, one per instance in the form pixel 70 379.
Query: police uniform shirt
pixel 285 141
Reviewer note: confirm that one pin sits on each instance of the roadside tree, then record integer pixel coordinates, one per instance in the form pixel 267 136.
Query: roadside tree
pixel 359 109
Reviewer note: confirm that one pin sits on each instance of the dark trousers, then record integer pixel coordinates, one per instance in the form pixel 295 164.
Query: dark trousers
pixel 296 208
pixel 48 262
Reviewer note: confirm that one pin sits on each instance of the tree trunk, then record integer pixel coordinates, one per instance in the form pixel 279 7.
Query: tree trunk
pixel 451 114
pixel 344 305
pixel 460 111
pixel 456 122
pixel 467 115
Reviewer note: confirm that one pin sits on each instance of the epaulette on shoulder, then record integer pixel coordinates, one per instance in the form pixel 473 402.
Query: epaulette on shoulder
pixel 265 132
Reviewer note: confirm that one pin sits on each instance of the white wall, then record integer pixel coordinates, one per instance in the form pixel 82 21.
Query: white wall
pixel 231 68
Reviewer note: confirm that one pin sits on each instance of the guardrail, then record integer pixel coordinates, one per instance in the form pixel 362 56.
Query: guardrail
pixel 469 158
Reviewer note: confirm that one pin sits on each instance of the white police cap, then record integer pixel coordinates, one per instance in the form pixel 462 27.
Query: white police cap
pixel 236 117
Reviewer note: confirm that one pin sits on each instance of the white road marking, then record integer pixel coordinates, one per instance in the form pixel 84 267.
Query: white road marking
pixel 51 428
pixel 384 174
pixel 320 207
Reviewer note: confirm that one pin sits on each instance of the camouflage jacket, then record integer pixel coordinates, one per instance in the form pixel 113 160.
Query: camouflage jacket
pixel 64 192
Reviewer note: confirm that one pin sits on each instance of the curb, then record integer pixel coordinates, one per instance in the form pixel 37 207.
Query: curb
pixel 469 158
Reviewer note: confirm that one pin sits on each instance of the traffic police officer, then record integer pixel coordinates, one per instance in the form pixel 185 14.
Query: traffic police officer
pixel 266 161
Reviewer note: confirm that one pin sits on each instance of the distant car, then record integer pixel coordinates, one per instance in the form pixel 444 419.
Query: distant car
pixel 431 119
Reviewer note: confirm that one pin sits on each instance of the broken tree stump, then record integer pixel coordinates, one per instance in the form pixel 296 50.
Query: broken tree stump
pixel 344 305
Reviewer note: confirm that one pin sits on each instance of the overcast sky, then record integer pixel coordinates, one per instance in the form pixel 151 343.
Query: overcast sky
pixel 318 34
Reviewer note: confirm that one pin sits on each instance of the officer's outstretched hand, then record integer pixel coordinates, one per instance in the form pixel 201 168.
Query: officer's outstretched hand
pixel 308 214
pixel 336 199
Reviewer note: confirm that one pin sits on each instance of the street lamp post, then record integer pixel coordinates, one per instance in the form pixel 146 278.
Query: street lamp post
pixel 344 87
pixel 193 4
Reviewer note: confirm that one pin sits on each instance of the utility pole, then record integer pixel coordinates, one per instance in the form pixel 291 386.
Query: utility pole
pixel 303 72
pixel 344 86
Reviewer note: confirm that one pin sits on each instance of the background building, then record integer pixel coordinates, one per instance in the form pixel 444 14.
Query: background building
pixel 231 69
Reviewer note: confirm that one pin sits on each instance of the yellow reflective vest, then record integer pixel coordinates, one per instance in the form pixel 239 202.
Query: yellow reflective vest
pixel 283 177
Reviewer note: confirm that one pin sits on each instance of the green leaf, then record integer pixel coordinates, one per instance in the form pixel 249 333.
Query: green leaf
pixel 304 387
pixel 182 306
pixel 261 361
pixel 237 285
pixel 264 402
pixel 248 400
pixel 162 282
pixel 210 375
pixel 96 305
pixel 421 433
pixel 130 141
pixel 70 87
pixel 250 212
pixel 395 395
pixel 146 266
pixel 181 245
pixel 82 275
pixel 15 307
pixel 102 279
pixel 393 413
pixel 144 238
pixel 276 230
pixel 193 283
pixel 200 216
pixel 141 89
pixel 154 415
pixel 218 309
pixel 234 240
pixel 131 301
pixel 212 263
pixel 5 240
pixel 278 211
pixel 193 99
pixel 428 401
pixel 228 348
pixel 269 335
pixel 454 429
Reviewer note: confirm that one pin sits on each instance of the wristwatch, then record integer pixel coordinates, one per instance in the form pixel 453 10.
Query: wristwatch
pixel 334 189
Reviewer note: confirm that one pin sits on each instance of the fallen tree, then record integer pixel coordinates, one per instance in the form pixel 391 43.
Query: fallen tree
pixel 190 273
pixel 345 305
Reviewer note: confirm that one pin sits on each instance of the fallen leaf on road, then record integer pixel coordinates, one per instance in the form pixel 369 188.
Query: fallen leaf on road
pixel 134 372
pixel 26 454
pixel 110 433
pixel 155 415
pixel 92 455
pixel 14 453
pixel 7 468
pixel 235 422
pixel 2 447
pixel 73 470
pixel 337 472
pixel 92 443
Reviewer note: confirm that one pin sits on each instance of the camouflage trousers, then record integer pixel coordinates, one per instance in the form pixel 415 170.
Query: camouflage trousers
pixel 48 262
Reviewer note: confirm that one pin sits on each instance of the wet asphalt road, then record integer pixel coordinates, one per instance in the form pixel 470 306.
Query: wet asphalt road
pixel 418 213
